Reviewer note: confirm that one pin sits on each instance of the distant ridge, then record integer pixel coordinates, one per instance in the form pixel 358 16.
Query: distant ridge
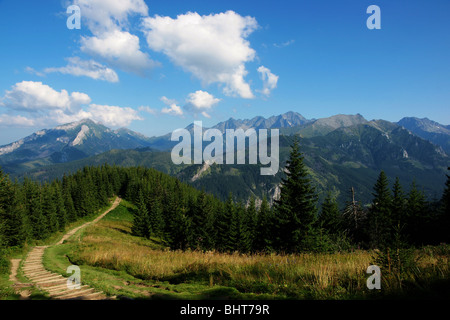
pixel 430 130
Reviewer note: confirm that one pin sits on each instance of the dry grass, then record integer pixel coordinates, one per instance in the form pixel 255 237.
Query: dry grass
pixel 107 245
pixel 110 245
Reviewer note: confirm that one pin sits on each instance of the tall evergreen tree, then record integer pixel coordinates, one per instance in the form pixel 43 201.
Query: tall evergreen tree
pixel 417 215
pixel 11 213
pixel 330 217
pixel 295 211
pixel 180 230
pixel 243 232
pixel 33 209
pixel 202 223
pixel 49 209
pixel 380 216
pixel 398 210
pixel 250 221
pixel 227 226
pixel 141 225
pixel 58 199
pixel 263 229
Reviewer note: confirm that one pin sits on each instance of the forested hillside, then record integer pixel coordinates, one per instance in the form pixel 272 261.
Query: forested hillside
pixel 184 217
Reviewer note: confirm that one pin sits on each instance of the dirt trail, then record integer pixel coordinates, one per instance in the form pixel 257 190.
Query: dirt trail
pixel 73 231
pixel 55 284
pixel 24 294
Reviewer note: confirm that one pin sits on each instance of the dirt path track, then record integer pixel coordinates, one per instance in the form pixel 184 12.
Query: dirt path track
pixel 55 284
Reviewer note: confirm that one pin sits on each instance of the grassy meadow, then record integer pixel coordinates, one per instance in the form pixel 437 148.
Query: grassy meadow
pixel 125 266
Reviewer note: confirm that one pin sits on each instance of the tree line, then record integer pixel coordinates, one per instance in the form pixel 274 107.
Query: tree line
pixel 33 211
pixel 186 218
pixel 295 223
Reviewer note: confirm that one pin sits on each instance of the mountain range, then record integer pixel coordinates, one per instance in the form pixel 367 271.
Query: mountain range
pixel 341 151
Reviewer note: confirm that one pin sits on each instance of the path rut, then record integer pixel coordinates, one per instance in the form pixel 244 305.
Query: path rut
pixel 55 284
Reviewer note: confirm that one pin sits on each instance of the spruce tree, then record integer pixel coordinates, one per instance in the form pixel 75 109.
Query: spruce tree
pixel 263 229
pixel 250 221
pixel 417 215
pixel 33 209
pixel 202 223
pixel 49 209
pixel 141 225
pixel 61 212
pixel 380 216
pixel 398 210
pixel 295 211
pixel 243 232
pixel 156 219
pixel 227 225
pixel 180 230
pixel 330 218
pixel 11 213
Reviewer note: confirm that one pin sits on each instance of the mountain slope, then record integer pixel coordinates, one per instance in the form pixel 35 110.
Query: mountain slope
pixel 286 120
pixel 67 143
pixel 430 130
pixel 323 126
pixel 343 158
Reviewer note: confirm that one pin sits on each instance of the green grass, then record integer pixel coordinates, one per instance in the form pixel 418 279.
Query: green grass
pixel 125 283
pixel 114 261
pixel 6 290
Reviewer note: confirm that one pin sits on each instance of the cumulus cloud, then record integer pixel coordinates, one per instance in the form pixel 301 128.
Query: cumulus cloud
pixel 35 96
pixel 33 103
pixel 213 48
pixel 104 15
pixel 201 101
pixel 269 79
pixel 172 107
pixel 113 115
pixel 108 22
pixel 119 48
pixel 15 121
pixel 90 68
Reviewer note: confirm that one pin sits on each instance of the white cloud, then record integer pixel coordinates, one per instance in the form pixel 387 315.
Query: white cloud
pixel 213 48
pixel 35 96
pixel 33 71
pixel 61 117
pixel 112 115
pixel 148 110
pixel 108 22
pixel 121 49
pixel 91 69
pixel 269 79
pixel 172 109
pixel 16 121
pixel 206 115
pixel 45 106
pixel 105 15
pixel 202 100
pixel 284 44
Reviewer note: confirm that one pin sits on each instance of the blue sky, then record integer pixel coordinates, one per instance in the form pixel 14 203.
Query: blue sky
pixel 156 66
